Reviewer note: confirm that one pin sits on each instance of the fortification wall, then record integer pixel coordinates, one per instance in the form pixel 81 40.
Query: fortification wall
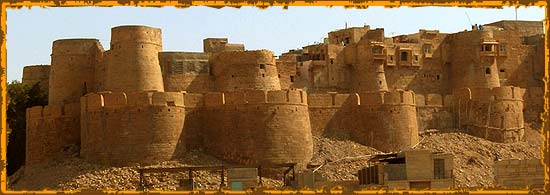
pixel 133 64
pixel 186 71
pixel 515 173
pixel 126 128
pixel 534 104
pixel 72 69
pixel 245 70
pixel 37 74
pixel 332 113
pixel 269 127
pixel 50 129
pixel 399 123
pixel 494 114
pixel 434 111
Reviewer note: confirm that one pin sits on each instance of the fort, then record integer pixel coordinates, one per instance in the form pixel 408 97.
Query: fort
pixel 138 104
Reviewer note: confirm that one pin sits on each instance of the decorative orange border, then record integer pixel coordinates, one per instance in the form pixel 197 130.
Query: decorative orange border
pixel 264 4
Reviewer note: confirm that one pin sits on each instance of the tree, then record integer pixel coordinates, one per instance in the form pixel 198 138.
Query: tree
pixel 21 96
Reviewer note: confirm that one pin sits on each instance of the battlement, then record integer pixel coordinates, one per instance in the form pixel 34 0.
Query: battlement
pixel 333 99
pixel 137 34
pixel 75 46
pixel 294 96
pixel 53 111
pixel 486 94
pixel 96 101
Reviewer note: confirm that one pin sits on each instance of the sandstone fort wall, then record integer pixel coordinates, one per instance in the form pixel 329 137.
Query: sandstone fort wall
pixel 49 130
pixel 494 114
pixel 269 127
pixel 186 71
pixel 121 129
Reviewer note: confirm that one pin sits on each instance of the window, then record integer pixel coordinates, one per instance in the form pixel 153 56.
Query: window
pixel 416 58
pixel 404 56
pixel 487 71
pixel 377 50
pixel 439 168
pixel 331 61
pixel 486 47
pixel 427 49
pixel 502 70
pixel 262 66
pixel 291 78
pixel 346 41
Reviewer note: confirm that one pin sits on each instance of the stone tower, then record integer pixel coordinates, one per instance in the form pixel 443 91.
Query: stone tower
pixel 474 60
pixel 245 70
pixel 368 58
pixel 133 63
pixel 72 62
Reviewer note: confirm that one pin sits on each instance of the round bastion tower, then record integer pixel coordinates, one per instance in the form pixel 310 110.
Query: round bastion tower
pixel 72 69
pixel 245 70
pixel 133 63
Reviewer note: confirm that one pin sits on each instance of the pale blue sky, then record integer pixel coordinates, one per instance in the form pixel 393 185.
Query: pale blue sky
pixel 31 31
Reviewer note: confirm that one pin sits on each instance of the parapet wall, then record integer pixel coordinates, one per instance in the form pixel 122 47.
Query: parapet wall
pixel 49 130
pixel 516 173
pixel 495 114
pixel 125 128
pixel 367 117
pixel 269 127
pixel 434 111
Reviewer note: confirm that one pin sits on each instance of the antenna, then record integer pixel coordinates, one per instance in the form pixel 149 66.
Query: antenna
pixel 468 18
pixel 516 13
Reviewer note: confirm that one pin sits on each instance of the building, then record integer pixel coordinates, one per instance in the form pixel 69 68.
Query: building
pixel 412 169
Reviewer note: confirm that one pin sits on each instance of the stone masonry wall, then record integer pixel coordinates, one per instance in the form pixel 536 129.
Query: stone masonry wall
pixel 49 130
pixel 259 127
pixel 122 129
pixel 186 71
pixel 494 114
pixel 516 173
